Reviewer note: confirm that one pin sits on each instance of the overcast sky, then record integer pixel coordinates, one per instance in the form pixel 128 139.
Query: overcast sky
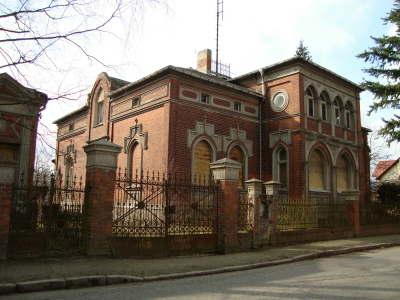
pixel 253 34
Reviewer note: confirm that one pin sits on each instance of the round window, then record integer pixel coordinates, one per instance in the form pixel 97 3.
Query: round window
pixel 280 101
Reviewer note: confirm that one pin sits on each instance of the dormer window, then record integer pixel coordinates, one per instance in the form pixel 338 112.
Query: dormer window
pixel 205 98
pixel 135 101
pixel 237 106
pixel 99 108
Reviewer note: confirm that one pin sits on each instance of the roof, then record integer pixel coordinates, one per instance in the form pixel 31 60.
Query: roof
pixel 72 114
pixel 118 83
pixel 382 167
pixel 290 61
pixel 193 73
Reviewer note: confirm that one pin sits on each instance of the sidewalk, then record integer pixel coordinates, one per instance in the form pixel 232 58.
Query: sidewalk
pixel 73 272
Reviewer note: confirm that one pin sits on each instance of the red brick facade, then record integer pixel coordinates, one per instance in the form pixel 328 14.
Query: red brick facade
pixel 159 120
pixel 19 117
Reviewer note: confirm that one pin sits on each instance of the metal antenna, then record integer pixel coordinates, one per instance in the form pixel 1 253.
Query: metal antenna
pixel 219 13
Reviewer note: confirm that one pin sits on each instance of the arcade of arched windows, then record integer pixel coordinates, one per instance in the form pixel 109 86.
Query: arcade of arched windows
pixel 320 175
pixel 334 111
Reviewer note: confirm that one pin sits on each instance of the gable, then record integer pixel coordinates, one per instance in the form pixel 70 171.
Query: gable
pixel 387 170
pixel 21 100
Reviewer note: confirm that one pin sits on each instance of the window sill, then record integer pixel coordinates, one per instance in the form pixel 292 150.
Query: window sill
pixel 97 125
pixel 319 191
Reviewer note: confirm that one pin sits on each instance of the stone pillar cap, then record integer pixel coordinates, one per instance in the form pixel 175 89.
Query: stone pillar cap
pixel 226 162
pixel 253 180
pixel 102 144
pixel 271 182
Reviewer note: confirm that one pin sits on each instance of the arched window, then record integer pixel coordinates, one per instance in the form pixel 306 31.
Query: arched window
pixel 323 108
pixel 99 108
pixel 69 172
pixel 310 102
pixel 201 161
pixel 282 176
pixel 317 171
pixel 336 109
pixel 347 112
pixel 344 170
pixel 135 161
pixel 236 154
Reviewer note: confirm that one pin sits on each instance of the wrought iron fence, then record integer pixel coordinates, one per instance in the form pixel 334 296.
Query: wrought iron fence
pixel 245 212
pixel 156 205
pixel 49 205
pixel 313 212
pixel 379 213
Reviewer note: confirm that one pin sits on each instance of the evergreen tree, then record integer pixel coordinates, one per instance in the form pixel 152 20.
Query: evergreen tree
pixel 303 52
pixel 385 58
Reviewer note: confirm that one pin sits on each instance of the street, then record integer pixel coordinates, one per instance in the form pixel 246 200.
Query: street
pixel 362 275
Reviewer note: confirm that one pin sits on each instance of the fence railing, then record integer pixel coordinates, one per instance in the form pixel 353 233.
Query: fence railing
pixel 245 212
pixel 52 206
pixel 156 205
pixel 313 212
pixel 379 213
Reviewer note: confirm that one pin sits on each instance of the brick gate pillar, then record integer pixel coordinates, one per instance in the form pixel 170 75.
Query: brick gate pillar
pixel 353 210
pixel 226 171
pixel 8 168
pixel 101 166
pixel 254 194
pixel 272 191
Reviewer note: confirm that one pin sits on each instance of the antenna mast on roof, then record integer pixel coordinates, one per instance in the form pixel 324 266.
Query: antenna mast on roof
pixel 219 13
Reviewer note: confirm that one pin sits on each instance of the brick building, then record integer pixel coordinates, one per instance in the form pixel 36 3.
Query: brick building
pixel 20 109
pixel 294 122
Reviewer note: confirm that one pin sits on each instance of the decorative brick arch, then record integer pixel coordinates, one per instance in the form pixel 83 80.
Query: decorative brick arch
pixel 352 165
pixel 326 166
pixel 136 138
pixel 245 158
pixel 213 152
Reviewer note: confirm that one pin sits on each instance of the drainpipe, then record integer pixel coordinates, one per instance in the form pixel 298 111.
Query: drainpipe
pixel 260 121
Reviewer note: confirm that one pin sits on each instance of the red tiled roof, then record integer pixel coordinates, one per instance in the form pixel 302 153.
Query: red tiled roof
pixel 382 167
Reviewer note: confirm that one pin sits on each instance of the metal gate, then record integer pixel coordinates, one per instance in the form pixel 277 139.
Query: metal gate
pixel 161 215
pixel 46 217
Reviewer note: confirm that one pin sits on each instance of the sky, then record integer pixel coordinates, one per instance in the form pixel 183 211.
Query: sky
pixel 252 34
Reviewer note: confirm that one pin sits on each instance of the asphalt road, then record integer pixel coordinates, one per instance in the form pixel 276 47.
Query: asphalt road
pixel 362 275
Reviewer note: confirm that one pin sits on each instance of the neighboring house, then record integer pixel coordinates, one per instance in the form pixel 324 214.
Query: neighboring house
pixel 294 122
pixel 387 170
pixel 20 109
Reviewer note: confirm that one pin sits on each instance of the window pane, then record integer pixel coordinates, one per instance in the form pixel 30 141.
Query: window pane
pixel 311 107
pixel 237 155
pixel 202 160
pixel 282 154
pixel 342 174
pixel 282 175
pixel 323 107
pixel 316 171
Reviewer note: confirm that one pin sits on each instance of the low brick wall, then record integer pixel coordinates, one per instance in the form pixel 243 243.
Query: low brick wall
pixel 318 234
pixel 245 241
pixel 372 230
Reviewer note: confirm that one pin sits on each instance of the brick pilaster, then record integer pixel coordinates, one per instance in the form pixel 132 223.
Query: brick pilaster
pixel 353 210
pixel 7 175
pixel 254 194
pixel 226 171
pixel 272 191
pixel 101 168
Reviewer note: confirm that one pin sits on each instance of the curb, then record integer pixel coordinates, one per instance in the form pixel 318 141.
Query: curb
pixel 91 281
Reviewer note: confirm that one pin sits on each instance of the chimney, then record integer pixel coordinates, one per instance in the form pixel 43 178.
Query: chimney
pixel 204 61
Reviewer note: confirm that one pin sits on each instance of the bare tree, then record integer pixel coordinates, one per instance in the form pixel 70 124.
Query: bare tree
pixel 37 35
